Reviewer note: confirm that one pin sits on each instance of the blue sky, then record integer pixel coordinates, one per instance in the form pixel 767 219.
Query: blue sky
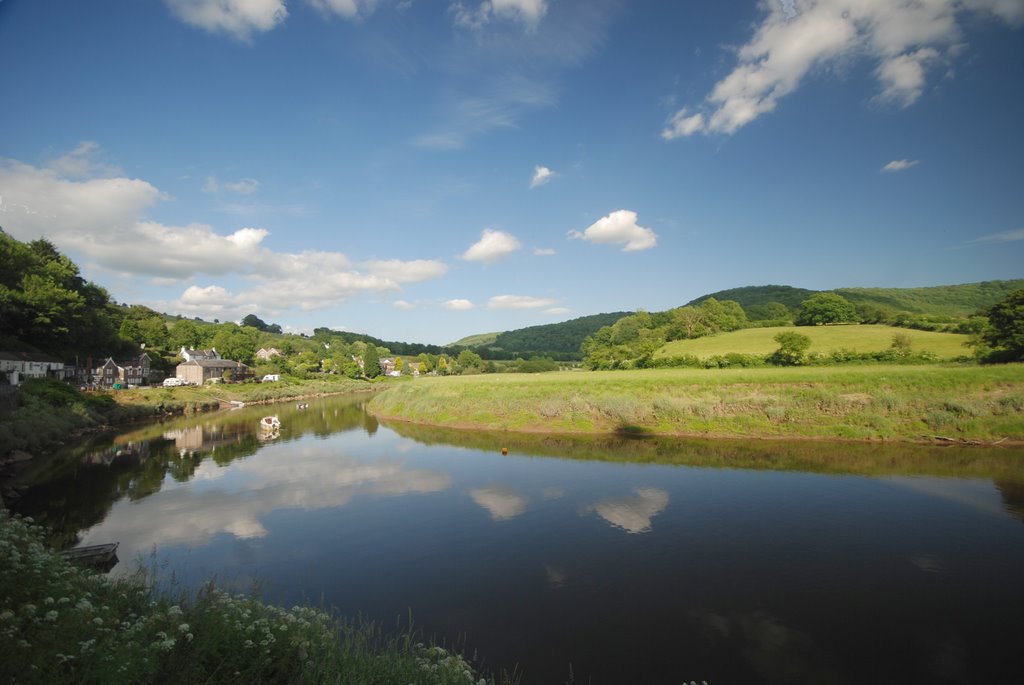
pixel 423 170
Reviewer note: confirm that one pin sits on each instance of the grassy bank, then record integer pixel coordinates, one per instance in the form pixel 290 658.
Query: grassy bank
pixel 50 412
pixel 63 624
pixel 824 340
pixel 855 402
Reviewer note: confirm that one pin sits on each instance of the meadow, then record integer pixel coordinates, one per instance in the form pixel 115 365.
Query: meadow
pixel 864 402
pixel 824 340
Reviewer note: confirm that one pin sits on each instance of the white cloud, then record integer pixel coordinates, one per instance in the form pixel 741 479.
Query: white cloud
pixel 412 271
pixel 517 302
pixel 246 186
pixel 904 39
pixel 541 175
pixel 81 163
pixel 619 228
pixel 543 251
pixel 633 514
pixel 402 304
pixel 529 12
pixel 211 185
pixel 557 311
pixel 458 305
pixel 1002 237
pixel 492 247
pixel 900 164
pixel 105 221
pixel 240 18
pixel 349 9
pixel 501 502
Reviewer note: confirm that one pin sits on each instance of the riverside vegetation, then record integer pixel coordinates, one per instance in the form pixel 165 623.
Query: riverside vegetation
pixel 908 403
pixel 63 624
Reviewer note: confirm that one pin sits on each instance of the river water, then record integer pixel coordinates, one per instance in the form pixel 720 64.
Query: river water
pixel 614 560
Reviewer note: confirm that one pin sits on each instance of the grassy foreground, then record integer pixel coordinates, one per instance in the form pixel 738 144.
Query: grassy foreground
pixel 63 624
pixel 824 340
pixel 845 402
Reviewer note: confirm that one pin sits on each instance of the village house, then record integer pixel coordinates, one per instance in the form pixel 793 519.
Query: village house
pixel 198 355
pixel 264 354
pixel 131 372
pixel 17 366
pixel 198 371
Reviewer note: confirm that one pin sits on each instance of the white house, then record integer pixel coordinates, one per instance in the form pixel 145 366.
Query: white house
pixel 18 366
pixel 198 355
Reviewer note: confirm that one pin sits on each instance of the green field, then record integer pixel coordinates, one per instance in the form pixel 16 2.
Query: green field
pixel 824 339
pixel 864 402
pixel 476 340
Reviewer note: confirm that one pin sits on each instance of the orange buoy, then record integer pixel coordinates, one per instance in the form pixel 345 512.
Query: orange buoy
pixel 504 451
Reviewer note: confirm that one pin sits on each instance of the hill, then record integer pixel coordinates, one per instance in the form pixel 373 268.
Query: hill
pixel 751 295
pixel 946 301
pixel 824 339
pixel 478 340
pixel 559 341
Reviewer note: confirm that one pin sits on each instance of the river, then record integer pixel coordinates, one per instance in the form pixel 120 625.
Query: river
pixel 613 560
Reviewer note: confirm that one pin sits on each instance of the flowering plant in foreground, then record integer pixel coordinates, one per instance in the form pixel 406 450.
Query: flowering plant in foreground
pixel 64 624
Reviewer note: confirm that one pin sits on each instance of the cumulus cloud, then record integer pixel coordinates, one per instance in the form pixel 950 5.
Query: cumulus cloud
pixel 81 163
pixel 517 302
pixel 501 502
pixel 402 304
pixel 899 164
pixel 632 514
pixel 104 220
pixel 239 18
pixel 619 228
pixel 541 175
pixel 458 305
pixel 903 39
pixel 528 12
pixel 543 251
pixel 413 271
pixel 349 9
pixel 1002 237
pixel 493 246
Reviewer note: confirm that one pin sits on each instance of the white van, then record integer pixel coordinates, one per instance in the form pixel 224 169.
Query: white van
pixel 271 377
pixel 173 382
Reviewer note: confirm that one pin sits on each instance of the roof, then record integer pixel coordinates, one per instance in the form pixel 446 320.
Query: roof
pixel 213 363
pixel 29 357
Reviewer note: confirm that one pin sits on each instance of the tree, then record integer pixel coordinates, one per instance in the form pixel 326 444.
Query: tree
pixel 185 333
pixel 254 321
pixel 371 362
pixel 1005 330
pixel 469 361
pixel 792 349
pixel 826 308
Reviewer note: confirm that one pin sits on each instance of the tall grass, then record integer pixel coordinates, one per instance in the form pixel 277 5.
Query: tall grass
pixel 63 624
pixel 862 402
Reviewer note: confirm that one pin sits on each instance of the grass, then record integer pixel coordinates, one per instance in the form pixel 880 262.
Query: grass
pixel 824 339
pixel 63 624
pixel 907 403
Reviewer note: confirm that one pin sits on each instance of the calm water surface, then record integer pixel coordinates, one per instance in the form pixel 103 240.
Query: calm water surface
pixel 614 560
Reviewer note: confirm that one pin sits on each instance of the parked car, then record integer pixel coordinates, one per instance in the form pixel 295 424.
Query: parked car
pixel 173 382
pixel 271 377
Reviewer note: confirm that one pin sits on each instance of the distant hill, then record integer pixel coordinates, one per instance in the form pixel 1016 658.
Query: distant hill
pixel 560 341
pixel 760 294
pixel 943 300
pixel 478 340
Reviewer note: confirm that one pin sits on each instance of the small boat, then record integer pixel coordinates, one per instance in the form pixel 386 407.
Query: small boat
pixel 270 423
pixel 101 557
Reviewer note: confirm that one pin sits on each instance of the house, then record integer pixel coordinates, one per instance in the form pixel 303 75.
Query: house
pixel 17 366
pixel 264 354
pixel 198 355
pixel 198 371
pixel 134 371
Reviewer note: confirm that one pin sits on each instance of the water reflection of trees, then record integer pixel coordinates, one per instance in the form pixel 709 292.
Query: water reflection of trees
pixel 79 487
pixel 869 459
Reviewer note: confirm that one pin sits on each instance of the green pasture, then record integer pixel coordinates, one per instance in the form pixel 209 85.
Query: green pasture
pixel 863 402
pixel 824 339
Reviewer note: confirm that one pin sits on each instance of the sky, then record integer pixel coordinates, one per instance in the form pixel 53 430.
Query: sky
pixel 423 170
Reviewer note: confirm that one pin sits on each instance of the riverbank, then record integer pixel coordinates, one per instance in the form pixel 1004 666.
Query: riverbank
pixel 52 413
pixel 970 404
pixel 63 624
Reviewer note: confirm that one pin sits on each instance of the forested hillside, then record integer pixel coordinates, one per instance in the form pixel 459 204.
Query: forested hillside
pixel 754 295
pixel 560 341
pixel 943 300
